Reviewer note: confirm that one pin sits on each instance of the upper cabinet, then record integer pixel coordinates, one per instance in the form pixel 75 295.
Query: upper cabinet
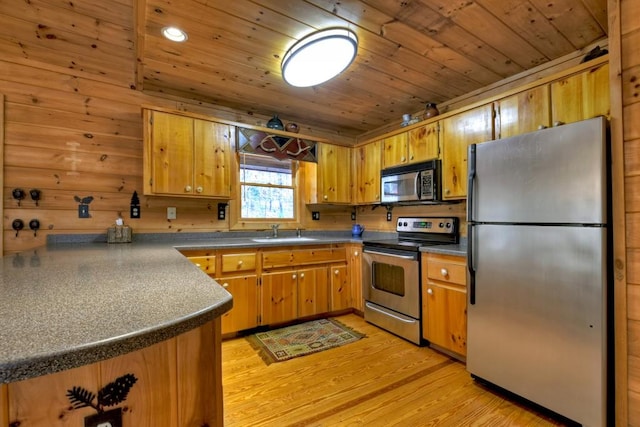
pixel 186 156
pixel 330 180
pixel 581 96
pixel 523 112
pixel 415 145
pixel 367 164
pixel 458 132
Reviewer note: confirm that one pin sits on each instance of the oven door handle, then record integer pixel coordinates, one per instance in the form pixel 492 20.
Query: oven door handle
pixel 411 257
pixel 386 313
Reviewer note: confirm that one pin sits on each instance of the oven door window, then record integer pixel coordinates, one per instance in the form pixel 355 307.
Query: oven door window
pixel 388 278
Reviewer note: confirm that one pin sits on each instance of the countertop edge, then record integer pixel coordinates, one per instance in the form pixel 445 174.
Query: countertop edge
pixel 107 349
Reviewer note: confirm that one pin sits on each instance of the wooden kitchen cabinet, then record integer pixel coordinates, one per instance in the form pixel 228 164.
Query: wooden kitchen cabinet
pixel 523 112
pixel 186 156
pixel 205 260
pixel 331 179
pixel 424 142
pixel 415 145
pixel 313 291
pixel 395 150
pixel 367 166
pixel 279 297
pixel 581 96
pixel 444 302
pixel 340 284
pixel 245 311
pixel 458 132
pixel 354 252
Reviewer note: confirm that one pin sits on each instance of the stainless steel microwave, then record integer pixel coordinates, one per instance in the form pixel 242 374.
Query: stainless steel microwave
pixel 417 182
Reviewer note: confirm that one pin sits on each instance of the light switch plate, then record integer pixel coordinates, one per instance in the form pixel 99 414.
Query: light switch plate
pixel 315 215
pixel 172 213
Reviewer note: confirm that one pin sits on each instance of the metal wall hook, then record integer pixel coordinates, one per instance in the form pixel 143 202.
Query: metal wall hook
pixel 34 224
pixel 17 225
pixel 18 194
pixel 35 195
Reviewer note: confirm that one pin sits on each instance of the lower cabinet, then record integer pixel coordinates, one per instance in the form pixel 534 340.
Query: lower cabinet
pixel 444 302
pixel 282 284
pixel 340 287
pixel 245 311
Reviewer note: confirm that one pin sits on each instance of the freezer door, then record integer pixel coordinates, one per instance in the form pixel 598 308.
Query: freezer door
pixel 555 175
pixel 538 325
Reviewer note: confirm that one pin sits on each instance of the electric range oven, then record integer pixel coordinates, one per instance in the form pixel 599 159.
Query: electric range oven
pixel 391 273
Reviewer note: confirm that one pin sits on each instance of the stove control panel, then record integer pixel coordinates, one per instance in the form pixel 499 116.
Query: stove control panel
pixel 443 225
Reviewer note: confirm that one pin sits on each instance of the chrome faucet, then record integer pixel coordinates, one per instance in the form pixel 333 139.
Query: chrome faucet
pixel 274 229
pixel 298 232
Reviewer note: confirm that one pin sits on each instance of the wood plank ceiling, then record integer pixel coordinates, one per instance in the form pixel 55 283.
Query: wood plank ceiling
pixel 410 52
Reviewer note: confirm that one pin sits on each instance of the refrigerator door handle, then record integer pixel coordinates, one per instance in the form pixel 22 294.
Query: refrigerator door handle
pixel 470 189
pixel 470 267
pixel 471 179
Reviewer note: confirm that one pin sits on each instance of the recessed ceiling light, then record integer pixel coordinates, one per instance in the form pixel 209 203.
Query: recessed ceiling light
pixel 319 57
pixel 174 34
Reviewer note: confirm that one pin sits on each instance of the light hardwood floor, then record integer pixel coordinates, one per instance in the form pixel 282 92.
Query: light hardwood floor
pixel 380 380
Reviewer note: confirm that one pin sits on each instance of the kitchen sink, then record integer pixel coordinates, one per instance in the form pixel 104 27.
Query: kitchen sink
pixel 282 239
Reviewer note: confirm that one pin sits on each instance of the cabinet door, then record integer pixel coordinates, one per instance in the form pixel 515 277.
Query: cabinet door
pixel 279 297
pixel 334 174
pixel 395 149
pixel 244 314
pixel 171 154
pixel 446 320
pixel 424 143
pixel 581 96
pixel 212 159
pixel 313 291
pixel 523 112
pixel 340 287
pixel 355 269
pixel 368 159
pixel 458 132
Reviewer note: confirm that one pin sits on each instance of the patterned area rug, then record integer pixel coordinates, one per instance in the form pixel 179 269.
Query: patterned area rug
pixel 302 339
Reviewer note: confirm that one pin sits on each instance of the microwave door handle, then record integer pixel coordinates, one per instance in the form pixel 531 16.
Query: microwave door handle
pixel 418 187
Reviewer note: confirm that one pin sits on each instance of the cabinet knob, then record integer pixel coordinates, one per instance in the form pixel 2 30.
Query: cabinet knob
pixel 403 159
pixel 411 157
pixel 187 189
pixel 325 197
pixel 198 265
pixel 444 272
pixel 199 189
pixel 430 291
pixel 225 285
pixel 302 275
pixel 240 262
pixel 336 272
pixel 447 191
pixel 356 253
pixel 293 276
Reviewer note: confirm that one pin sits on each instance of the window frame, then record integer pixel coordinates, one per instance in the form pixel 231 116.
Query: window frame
pixel 239 223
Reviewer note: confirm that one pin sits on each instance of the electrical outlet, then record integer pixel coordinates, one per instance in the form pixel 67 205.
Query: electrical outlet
pixel 83 211
pixel 353 216
pixel 171 213
pixel 315 215
pixel 221 210
pixel 135 211
pixel 389 216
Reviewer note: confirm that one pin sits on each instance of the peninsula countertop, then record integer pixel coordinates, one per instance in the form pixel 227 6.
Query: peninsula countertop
pixel 69 305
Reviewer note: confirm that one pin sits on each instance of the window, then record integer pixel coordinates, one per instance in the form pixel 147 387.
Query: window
pixel 267 189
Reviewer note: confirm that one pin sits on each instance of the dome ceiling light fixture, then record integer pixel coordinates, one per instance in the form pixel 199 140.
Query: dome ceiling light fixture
pixel 319 57
pixel 174 34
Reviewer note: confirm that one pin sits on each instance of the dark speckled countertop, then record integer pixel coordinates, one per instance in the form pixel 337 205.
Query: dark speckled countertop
pixel 79 300
pixel 69 305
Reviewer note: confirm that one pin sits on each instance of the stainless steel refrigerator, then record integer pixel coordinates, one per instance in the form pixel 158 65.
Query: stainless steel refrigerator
pixel 538 267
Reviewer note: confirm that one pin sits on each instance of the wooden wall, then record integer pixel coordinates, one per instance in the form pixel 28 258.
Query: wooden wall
pixel 627 41
pixel 73 124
